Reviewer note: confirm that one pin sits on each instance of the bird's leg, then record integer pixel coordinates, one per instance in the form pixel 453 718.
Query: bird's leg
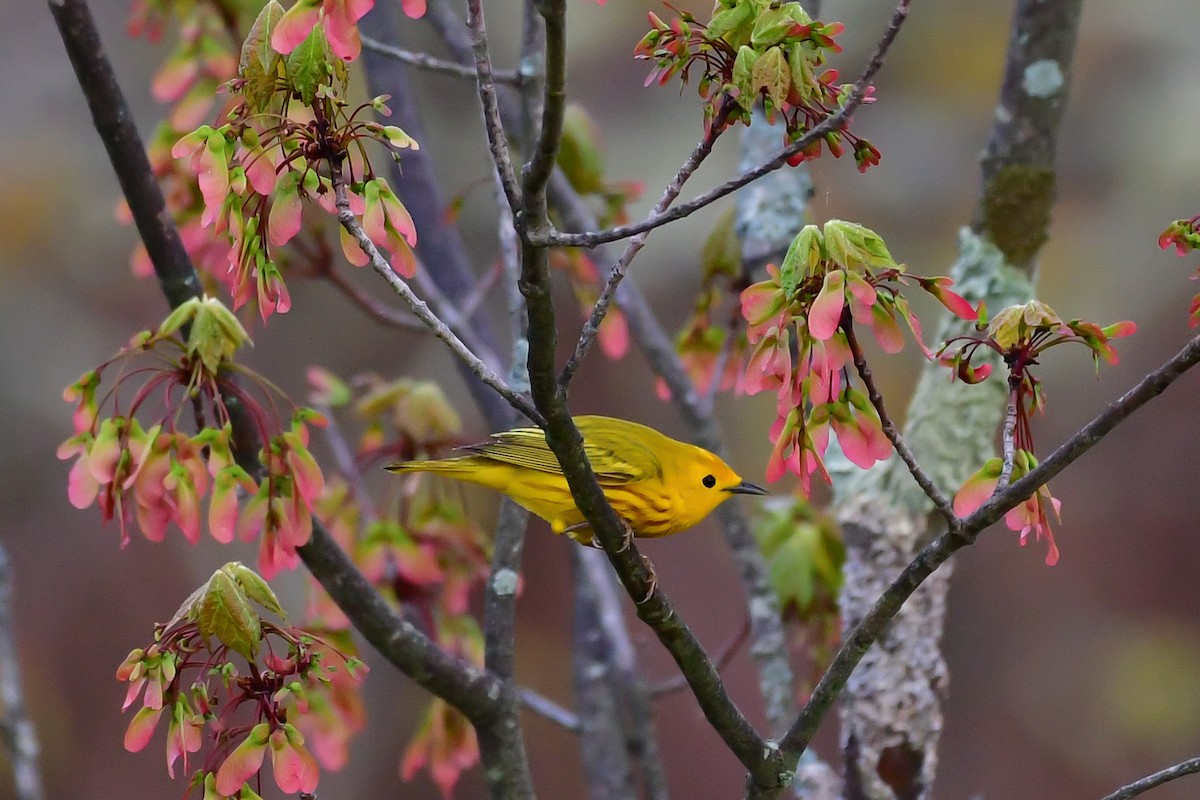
pixel 629 534
pixel 653 578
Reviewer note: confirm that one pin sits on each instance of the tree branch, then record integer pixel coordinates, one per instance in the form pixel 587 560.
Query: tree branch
pixel 728 650
pixel 768 646
pixel 566 443
pixel 497 140
pixel 417 186
pixel 949 428
pixel 1189 767
pixel 419 308
pixel 831 123
pixel 600 310
pixel 607 771
pixel 965 531
pixel 548 709
pixel 114 122
pixel 18 737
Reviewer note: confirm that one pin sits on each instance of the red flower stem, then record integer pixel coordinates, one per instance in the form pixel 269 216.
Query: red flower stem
pixel 889 428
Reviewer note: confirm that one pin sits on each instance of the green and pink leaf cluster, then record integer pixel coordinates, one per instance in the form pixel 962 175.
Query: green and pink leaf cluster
pixel 798 324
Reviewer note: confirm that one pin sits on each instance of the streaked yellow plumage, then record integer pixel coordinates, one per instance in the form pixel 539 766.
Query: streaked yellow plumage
pixel 658 485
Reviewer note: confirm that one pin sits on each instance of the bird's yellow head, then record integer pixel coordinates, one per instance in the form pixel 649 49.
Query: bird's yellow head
pixel 703 481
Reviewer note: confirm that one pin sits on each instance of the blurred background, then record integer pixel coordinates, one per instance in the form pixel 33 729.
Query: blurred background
pixel 1066 682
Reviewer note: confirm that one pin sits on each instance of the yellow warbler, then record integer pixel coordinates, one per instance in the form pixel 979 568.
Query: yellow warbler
pixel 658 485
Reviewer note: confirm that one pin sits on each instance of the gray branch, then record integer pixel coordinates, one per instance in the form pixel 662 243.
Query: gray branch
pixel 1189 767
pixel 18 737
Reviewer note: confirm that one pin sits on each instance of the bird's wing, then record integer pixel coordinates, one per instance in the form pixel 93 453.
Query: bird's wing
pixel 526 447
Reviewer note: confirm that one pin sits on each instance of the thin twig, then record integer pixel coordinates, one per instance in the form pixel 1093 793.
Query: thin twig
pixel 456 319
pixel 554 100
pixel 634 721
pixel 419 308
pixel 828 125
pixel 546 708
pixel 343 456
pixel 384 315
pixel 891 431
pixel 426 62
pixel 497 140
pixel 600 310
pixel 18 737
pixel 1189 767
pixel 724 656
pixel 440 244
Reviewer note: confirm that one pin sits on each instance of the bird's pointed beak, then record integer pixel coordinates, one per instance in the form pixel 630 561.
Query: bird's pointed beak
pixel 745 487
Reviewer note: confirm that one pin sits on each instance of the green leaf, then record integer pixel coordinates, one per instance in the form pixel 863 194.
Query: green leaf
pixel 791 573
pixel 772 26
pixel 225 613
pixel 853 246
pixel 802 258
pixel 255 587
pixel 579 154
pixel 189 608
pixel 743 68
pixel 801 65
pixel 771 73
pixel 732 25
pixel 259 61
pixel 310 65
pixel 257 46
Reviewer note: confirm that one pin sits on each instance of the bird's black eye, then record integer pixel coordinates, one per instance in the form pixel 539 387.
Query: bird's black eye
pixel 709 481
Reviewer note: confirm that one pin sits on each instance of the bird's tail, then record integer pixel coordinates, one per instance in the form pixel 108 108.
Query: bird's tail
pixel 439 465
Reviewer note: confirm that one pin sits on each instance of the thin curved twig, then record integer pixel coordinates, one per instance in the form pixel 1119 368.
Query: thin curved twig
pixel 497 139
pixel 890 430
pixel 424 61
pixel 1189 767
pixel 419 308
pixel 600 310
pixel 675 683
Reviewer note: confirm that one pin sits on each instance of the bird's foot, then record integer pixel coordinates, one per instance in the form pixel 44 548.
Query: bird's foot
pixel 652 578
pixel 627 541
